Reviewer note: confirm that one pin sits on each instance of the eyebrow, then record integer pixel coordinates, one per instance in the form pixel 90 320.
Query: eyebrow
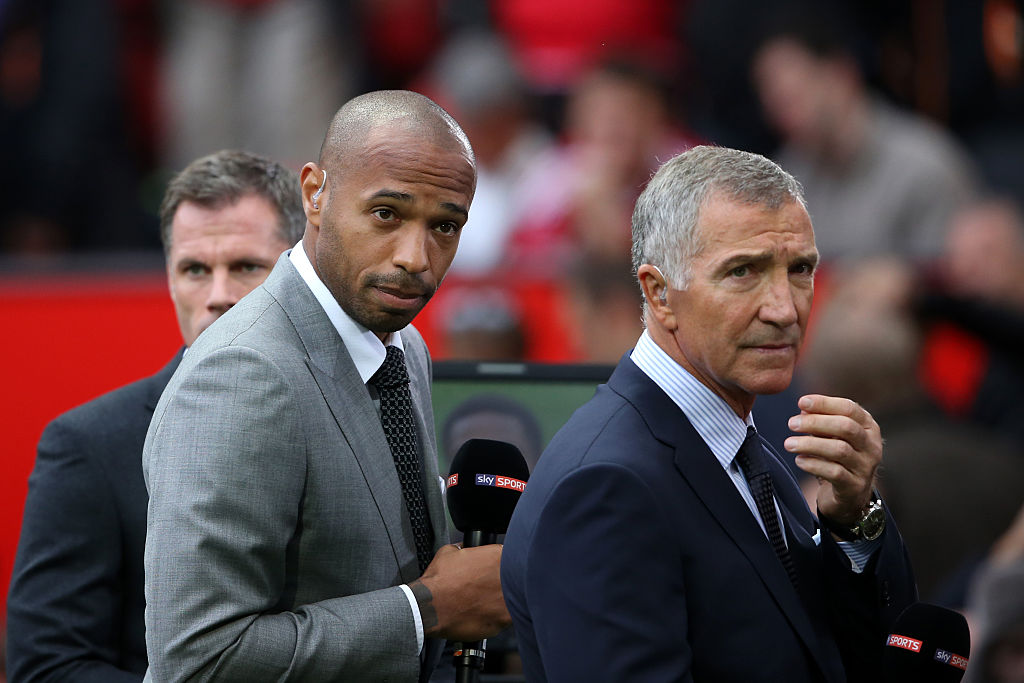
pixel 406 197
pixel 810 257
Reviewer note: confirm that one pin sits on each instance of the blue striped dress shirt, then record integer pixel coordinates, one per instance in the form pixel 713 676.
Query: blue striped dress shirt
pixel 720 428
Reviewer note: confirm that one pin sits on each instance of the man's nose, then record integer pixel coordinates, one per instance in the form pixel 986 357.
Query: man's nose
pixel 411 244
pixel 224 292
pixel 779 304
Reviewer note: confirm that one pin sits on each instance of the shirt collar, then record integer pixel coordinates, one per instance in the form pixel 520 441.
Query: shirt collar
pixel 365 348
pixel 716 423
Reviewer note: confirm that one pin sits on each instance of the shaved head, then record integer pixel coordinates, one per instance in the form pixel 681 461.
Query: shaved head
pixel 385 205
pixel 387 112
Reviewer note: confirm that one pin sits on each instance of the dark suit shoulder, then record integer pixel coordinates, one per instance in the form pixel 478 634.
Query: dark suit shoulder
pixel 109 422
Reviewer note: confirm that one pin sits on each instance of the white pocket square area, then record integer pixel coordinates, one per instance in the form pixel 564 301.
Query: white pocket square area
pixel 817 537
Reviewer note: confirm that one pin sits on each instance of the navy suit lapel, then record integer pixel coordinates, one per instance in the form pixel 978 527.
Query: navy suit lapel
pixel 698 466
pixel 801 528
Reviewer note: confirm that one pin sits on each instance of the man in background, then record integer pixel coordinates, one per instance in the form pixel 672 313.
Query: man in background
pixel 75 608
pixel 296 526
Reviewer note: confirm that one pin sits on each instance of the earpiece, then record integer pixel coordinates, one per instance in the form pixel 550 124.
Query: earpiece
pixel 316 195
pixel 663 297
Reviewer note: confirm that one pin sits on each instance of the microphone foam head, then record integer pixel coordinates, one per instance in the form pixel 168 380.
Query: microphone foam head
pixel 484 484
pixel 927 643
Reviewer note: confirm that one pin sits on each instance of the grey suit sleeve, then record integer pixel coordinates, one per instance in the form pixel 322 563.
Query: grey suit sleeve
pixel 225 463
pixel 63 609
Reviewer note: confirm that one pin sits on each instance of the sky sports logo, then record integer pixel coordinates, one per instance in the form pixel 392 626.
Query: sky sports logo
pixel 498 481
pixel 904 642
pixel 501 482
pixel 952 659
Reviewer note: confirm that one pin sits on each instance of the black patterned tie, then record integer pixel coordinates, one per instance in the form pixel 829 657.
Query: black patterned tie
pixel 392 382
pixel 752 462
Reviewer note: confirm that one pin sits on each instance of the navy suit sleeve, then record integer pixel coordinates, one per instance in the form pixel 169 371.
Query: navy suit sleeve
pixel 62 610
pixel 862 607
pixel 599 530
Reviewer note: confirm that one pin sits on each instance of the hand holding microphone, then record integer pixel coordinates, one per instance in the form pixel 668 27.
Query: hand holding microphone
pixel 486 479
pixel 459 594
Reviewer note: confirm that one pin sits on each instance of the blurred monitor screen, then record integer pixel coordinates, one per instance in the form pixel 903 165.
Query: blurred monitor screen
pixel 522 403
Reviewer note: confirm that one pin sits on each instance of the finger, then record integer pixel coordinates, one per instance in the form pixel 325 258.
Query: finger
pixel 824 470
pixel 445 549
pixel 834 405
pixel 831 426
pixel 859 461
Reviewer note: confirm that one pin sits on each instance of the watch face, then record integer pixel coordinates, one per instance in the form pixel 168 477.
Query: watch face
pixel 873 524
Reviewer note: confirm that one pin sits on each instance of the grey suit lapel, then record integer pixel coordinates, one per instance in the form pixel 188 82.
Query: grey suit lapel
pixel 349 402
pixel 420 376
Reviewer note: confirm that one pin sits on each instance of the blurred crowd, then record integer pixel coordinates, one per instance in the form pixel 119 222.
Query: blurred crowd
pixel 903 120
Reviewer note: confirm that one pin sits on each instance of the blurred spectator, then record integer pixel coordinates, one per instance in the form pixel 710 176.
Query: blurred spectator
pixel 984 255
pixel 975 310
pixel 605 315
pixel 721 102
pixel 557 42
pixel 953 487
pixel 69 174
pixel 262 75
pixel 996 613
pixel 481 323
pixel 980 78
pixel 580 196
pixel 878 180
pixel 475 78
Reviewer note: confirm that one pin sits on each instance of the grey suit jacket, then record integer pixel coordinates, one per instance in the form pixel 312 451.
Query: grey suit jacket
pixel 277 534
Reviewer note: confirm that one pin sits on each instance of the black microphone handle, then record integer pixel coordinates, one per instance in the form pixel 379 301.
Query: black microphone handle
pixel 474 538
pixel 470 660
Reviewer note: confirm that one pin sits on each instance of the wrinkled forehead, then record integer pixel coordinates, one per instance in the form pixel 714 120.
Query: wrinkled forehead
pixel 725 221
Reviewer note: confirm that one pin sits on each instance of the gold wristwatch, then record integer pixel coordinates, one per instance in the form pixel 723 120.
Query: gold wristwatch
pixel 869 527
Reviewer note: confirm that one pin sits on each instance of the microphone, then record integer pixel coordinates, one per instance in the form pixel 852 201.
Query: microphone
pixel 928 643
pixel 484 484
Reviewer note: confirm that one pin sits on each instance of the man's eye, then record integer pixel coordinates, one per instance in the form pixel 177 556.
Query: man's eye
pixel 740 271
pixel 195 269
pixel 802 269
pixel 448 228
pixel 384 214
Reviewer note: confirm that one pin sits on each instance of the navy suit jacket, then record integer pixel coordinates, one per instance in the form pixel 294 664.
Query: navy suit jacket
pixel 76 604
pixel 631 556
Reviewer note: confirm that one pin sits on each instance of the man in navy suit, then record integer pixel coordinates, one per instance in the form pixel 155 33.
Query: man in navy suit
pixel 659 538
pixel 75 608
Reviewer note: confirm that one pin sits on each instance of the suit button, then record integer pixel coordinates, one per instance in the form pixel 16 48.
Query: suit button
pixel 886 596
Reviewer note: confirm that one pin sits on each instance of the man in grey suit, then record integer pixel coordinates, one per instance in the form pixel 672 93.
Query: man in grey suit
pixel 280 544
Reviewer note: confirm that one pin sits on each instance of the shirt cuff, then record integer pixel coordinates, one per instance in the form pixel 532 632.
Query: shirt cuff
pixel 859 552
pixel 415 607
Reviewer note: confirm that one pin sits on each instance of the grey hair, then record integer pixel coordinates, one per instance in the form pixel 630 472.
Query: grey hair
pixel 223 178
pixel 667 212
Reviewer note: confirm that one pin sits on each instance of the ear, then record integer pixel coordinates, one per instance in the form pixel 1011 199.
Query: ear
pixel 656 291
pixel 311 178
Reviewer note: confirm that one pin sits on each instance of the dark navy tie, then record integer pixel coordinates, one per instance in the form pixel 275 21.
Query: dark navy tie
pixel 754 465
pixel 392 382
